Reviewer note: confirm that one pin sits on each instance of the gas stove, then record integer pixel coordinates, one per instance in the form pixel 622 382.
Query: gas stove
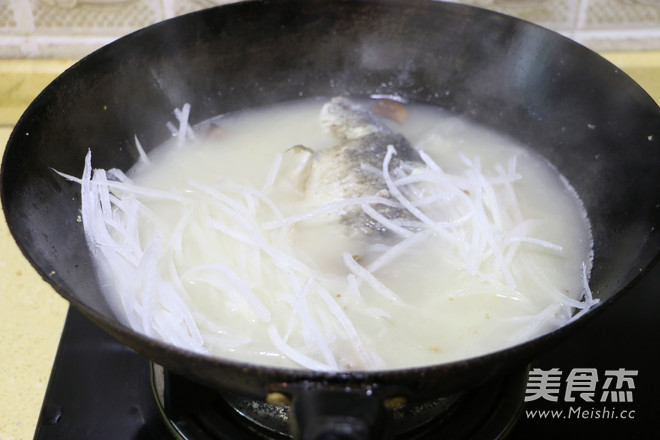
pixel 603 382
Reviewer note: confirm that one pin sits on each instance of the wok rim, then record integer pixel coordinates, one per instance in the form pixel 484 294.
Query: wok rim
pixel 137 340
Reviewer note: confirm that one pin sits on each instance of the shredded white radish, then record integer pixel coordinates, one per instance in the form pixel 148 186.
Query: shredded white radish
pixel 393 252
pixel 233 284
pixel 385 222
pixel 140 286
pixel 363 274
pixel 252 270
pixel 588 300
pixel 272 174
pixel 330 208
pixel 143 158
pixel 185 131
pixel 294 354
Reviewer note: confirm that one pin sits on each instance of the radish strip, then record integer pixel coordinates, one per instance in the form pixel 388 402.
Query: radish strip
pixel 362 273
pixel 232 245
pixel 294 354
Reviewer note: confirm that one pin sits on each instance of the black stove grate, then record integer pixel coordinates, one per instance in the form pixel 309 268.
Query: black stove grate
pixel 194 412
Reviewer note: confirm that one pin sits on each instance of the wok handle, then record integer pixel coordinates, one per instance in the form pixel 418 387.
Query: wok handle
pixel 346 414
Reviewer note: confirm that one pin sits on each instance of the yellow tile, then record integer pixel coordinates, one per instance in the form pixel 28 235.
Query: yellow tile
pixel 21 81
pixel 31 313
pixel 643 67
pixel 31 320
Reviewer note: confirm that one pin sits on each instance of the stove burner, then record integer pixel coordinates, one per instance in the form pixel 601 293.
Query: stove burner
pixel 194 412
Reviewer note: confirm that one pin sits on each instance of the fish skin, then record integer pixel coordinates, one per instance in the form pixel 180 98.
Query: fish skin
pixel 339 172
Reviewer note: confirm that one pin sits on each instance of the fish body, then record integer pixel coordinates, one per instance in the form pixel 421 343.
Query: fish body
pixel 354 166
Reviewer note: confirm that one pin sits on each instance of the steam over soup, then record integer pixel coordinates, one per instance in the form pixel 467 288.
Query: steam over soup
pixel 321 234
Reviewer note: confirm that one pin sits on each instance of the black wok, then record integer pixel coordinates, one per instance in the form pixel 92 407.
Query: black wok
pixel 599 128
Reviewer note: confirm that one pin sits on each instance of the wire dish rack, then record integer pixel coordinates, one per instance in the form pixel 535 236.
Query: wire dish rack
pixel 73 28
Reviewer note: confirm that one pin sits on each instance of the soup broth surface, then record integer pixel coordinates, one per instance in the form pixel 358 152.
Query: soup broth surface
pixel 240 246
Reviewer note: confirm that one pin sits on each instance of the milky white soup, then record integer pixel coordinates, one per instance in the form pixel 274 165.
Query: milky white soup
pixel 215 243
